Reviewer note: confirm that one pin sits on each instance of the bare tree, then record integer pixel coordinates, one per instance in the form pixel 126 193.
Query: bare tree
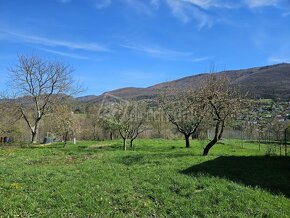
pixel 39 84
pixel 121 118
pixel 65 125
pixel 93 117
pixel 125 117
pixel 185 110
pixel 137 122
pixel 130 121
pixel 8 118
pixel 224 103
pixel 135 130
pixel 157 122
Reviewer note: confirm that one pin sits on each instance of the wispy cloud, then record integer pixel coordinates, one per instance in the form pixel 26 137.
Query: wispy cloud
pixel 201 59
pixel 64 1
pixel 185 11
pixel 179 10
pixel 286 14
pixel 140 7
pixel 200 3
pixel 261 3
pixel 34 39
pixel 207 4
pixel 275 59
pixel 65 54
pixel 155 3
pixel 99 4
pixel 188 10
pixel 200 11
pixel 204 11
pixel 159 52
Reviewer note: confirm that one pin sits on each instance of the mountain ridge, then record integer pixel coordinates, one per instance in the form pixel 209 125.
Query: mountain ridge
pixel 271 81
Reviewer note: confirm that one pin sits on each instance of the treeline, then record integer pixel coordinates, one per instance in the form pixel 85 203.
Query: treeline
pixel 41 106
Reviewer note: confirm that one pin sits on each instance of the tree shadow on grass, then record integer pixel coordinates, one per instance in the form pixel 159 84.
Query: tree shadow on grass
pixel 270 173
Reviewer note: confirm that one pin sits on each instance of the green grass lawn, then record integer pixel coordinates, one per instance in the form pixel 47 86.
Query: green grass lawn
pixel 158 178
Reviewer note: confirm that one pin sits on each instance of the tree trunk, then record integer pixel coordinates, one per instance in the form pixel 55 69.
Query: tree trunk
pixel 111 136
pixel 221 130
pixel 124 144
pixel 209 146
pixel 194 135
pixel 34 132
pixel 131 143
pixel 65 139
pixel 95 132
pixel 187 143
pixel 214 140
pixel 34 137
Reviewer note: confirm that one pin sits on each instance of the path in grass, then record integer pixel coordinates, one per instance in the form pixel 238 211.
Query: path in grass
pixel 158 178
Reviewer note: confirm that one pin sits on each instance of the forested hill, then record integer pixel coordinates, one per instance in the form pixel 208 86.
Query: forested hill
pixel 260 82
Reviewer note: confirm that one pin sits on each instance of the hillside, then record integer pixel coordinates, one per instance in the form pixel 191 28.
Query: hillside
pixel 261 82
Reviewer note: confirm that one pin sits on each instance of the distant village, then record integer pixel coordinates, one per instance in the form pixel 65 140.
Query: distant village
pixel 267 109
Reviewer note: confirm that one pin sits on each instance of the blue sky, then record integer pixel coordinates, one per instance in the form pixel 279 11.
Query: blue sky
pixel 123 43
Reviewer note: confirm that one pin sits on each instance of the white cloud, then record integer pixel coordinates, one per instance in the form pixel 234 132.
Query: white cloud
pixel 201 59
pixel 286 14
pixel 66 54
pixel 159 52
pixel 179 10
pixel 200 3
pixel 139 7
pixel 261 3
pixel 64 1
pixel 206 4
pixel 185 11
pixel 34 39
pixel 203 19
pixel 99 4
pixel 275 59
pixel 200 10
pixel 155 3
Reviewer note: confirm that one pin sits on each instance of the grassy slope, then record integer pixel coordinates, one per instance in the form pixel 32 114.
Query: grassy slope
pixel 159 178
